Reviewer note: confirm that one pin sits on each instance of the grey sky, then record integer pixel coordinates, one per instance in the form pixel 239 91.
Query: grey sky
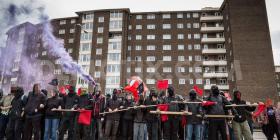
pixel 65 8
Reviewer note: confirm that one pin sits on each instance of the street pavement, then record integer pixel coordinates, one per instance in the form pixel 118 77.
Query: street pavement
pixel 258 135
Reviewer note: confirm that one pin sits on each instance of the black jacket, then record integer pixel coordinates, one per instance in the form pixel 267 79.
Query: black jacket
pixel 85 101
pixel 128 115
pixel 149 116
pixel 70 101
pixel 113 104
pixel 53 102
pixel 33 103
pixel 194 109
pixel 17 106
pixel 242 111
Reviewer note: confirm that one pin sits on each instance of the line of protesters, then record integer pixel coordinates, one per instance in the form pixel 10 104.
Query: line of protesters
pixel 33 115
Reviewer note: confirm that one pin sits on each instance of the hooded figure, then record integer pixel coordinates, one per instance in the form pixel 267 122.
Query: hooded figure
pixel 15 125
pixel 192 95
pixel 127 118
pixel 152 119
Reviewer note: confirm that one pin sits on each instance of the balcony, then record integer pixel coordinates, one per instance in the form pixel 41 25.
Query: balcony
pixel 215 75
pixel 221 87
pixel 214 51
pixel 211 29
pixel 211 18
pixel 213 40
pixel 214 63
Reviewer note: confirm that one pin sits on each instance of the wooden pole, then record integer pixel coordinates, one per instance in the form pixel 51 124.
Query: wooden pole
pixel 189 113
pixel 241 105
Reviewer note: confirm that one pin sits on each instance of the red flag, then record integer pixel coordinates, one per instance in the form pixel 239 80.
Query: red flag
pixel 208 103
pixel 260 109
pixel 184 121
pixel 198 90
pixel 62 90
pixel 79 91
pixel 163 107
pixel 84 117
pixel 162 84
pixel 132 87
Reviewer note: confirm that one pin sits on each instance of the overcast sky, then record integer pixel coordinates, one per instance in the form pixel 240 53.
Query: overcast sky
pixel 65 8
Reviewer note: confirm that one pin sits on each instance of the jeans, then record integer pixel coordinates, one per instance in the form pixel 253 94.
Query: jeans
pixel 51 126
pixel 139 131
pixel 152 127
pixel 3 124
pixel 193 129
pixel 242 130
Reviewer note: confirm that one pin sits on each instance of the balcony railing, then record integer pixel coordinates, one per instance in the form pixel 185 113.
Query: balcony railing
pixel 211 29
pixel 213 40
pixel 214 51
pixel 221 87
pixel 215 75
pixel 214 63
pixel 211 18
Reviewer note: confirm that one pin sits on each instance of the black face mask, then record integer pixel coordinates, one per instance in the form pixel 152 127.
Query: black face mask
pixel 192 97
pixel 115 97
pixel 215 92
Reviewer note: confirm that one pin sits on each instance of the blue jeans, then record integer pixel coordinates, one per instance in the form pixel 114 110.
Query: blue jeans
pixel 193 128
pixel 51 126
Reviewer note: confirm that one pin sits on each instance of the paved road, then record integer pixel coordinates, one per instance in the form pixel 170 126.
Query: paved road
pixel 258 135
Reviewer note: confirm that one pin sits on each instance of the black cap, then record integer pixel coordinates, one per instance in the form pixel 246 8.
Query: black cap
pixel 54 82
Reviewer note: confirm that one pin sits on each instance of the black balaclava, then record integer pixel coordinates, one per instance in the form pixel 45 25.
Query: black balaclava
pixel 237 96
pixel 192 95
pixel 115 92
pixel 19 92
pixel 215 90
pixel 170 91
pixel 71 91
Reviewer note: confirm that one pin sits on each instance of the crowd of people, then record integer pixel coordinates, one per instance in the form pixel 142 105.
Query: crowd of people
pixel 50 115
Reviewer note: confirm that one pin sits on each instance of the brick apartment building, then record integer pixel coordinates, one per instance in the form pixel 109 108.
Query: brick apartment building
pixel 229 46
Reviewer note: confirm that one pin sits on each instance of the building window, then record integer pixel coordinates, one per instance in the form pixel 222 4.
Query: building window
pixel 166 58
pixel 113 68
pixel 116 15
pixel 70 50
pixel 151 47
pixel 129 37
pixel 151 16
pixel 180 25
pixel 73 21
pixel 138 47
pixel 188 15
pixel 138 37
pixel 197 58
pixel 199 81
pixel 166 26
pixel 57 71
pixel 87 26
pixel 166 36
pixel 182 81
pixel 189 47
pixel 180 15
pixel 181 47
pixel 57 61
pixel 97 74
pixel 166 47
pixel 167 69
pixel 100 19
pixel 113 80
pixel 62 22
pixel 88 16
pixel 115 24
pixel 180 36
pixel 138 27
pixel 129 27
pixel 181 58
pixel 181 69
pixel 86 36
pixel 189 36
pixel 99 40
pixel 98 51
pixel 137 58
pixel 61 31
pixel 198 69
pixel 195 15
pixel 100 30
pixel 190 69
pixel 223 81
pixel 44 53
pixel 85 47
pixel 189 26
pixel 196 25
pixel 196 46
pixel 114 57
pixel 191 81
pixel 138 16
pixel 128 69
pixel 150 81
pixel 169 81
pixel 196 36
pixel 72 31
pixel 151 58
pixel 84 57
pixel 151 70
pixel 128 58
pixel 166 16
pixel 97 62
pixel 151 37
pixel 151 26
pixel 138 69
pixel 71 40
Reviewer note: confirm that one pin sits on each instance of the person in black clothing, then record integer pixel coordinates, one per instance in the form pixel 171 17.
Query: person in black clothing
pixel 45 92
pixel 171 126
pixel 152 119
pixel 240 125
pixel 15 125
pixel 68 118
pixel 52 117
pixel 98 106
pixel 113 119
pixel 194 123
pixel 83 131
pixel 140 121
pixel 36 102
pixel 217 124
pixel 127 118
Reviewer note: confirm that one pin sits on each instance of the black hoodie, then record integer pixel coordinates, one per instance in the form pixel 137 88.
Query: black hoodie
pixel 17 104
